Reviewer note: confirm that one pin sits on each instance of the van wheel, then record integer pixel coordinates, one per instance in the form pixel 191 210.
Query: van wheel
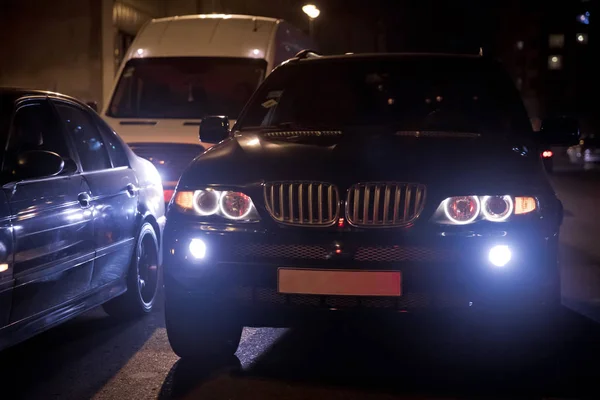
pixel 143 278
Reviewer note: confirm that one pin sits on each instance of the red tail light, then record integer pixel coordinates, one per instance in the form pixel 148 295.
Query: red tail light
pixel 547 154
pixel 168 193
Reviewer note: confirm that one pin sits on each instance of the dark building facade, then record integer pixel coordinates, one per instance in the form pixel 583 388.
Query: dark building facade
pixel 548 47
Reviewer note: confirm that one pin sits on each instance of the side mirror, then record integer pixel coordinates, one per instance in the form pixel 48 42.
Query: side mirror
pixel 559 131
pixel 214 129
pixel 93 105
pixel 39 164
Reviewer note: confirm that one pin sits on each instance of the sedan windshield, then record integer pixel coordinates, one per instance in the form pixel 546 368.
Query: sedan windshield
pixel 443 94
pixel 185 87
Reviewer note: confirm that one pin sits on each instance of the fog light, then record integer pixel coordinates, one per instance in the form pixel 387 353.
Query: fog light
pixel 500 255
pixel 198 248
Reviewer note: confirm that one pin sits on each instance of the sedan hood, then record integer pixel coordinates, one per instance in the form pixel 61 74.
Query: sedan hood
pixel 455 161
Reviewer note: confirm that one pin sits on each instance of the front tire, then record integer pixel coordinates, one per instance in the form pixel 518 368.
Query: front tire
pixel 198 332
pixel 143 278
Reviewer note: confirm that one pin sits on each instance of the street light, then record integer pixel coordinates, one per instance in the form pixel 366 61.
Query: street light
pixel 313 12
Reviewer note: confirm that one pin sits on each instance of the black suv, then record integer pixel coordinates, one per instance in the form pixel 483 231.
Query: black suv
pixel 362 185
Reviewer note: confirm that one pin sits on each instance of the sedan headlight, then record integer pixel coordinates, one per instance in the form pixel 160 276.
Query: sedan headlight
pixel 229 205
pixel 463 210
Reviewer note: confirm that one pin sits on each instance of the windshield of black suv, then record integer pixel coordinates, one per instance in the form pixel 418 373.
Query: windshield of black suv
pixel 185 87
pixel 461 94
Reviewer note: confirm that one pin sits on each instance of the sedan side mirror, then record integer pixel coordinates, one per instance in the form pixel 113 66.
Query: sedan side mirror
pixel 38 164
pixel 559 131
pixel 214 129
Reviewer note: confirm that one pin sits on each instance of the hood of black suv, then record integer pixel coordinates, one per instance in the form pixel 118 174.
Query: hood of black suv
pixel 454 160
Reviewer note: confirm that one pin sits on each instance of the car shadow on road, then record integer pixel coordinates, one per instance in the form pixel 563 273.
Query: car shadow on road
pixel 580 274
pixel 420 358
pixel 187 375
pixel 35 366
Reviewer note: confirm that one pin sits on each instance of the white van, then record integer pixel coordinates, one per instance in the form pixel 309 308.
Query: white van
pixel 181 69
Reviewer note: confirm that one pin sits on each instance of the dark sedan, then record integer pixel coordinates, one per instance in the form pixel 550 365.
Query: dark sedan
pixel 362 185
pixel 81 216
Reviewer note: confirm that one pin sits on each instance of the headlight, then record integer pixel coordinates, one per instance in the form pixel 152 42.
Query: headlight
pixel 462 210
pixel 497 208
pixel 230 205
pixel 206 202
pixel 235 205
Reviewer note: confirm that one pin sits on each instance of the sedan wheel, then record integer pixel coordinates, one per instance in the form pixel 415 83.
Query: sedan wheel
pixel 147 270
pixel 142 279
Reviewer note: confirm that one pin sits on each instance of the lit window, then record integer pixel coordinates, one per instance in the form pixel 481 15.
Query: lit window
pixel 556 40
pixel 582 38
pixel 520 45
pixel 555 62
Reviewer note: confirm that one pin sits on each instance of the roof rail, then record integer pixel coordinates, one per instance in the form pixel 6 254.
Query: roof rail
pixel 306 53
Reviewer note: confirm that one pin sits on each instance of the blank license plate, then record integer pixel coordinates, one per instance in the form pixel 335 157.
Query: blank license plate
pixel 339 282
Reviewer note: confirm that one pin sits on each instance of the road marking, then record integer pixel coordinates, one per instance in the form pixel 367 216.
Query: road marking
pixel 147 377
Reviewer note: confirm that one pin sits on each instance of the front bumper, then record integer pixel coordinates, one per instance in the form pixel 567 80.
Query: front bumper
pixel 439 271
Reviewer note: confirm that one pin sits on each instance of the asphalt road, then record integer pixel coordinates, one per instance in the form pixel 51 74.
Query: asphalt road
pixel 96 357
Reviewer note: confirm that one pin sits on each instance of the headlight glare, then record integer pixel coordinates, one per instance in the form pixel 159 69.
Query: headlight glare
pixel 499 256
pixel 497 208
pixel 210 203
pixel 462 210
pixel 235 205
pixel 206 202
pixel 197 248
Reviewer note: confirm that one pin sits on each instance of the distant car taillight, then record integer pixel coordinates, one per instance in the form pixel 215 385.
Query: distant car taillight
pixel 547 154
pixel 168 193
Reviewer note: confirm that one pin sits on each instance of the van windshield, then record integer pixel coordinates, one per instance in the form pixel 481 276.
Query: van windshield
pixel 185 87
